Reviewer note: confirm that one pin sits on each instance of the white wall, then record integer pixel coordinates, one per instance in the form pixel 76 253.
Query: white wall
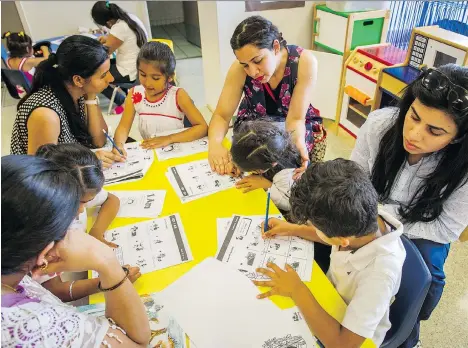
pixel 224 16
pixel 47 19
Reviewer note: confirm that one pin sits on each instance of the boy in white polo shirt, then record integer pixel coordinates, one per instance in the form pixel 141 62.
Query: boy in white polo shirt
pixel 338 202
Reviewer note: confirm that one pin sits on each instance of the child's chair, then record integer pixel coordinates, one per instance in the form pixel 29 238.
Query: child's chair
pixel 14 78
pixel 415 282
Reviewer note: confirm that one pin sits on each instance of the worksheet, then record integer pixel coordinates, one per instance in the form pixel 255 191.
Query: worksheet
pixel 136 165
pixel 163 327
pixel 217 307
pixel 245 249
pixel 196 179
pixel 140 203
pixel 151 245
pixel 177 150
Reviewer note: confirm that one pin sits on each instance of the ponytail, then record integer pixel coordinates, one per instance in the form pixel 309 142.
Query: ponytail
pixel 77 55
pixel 104 11
pixel 19 44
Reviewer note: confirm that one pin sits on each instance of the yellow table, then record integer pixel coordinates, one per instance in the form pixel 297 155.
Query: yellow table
pixel 199 221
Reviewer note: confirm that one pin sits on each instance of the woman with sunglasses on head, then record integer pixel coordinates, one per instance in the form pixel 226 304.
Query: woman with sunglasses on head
pixel 416 155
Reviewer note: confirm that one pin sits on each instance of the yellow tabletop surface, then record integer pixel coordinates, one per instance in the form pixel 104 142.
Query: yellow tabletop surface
pixel 199 221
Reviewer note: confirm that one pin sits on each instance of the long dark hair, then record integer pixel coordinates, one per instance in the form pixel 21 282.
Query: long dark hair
pixel 257 145
pixel 39 201
pixel 452 170
pixel 76 55
pixel 19 44
pixel 104 11
pixel 81 161
pixel 257 31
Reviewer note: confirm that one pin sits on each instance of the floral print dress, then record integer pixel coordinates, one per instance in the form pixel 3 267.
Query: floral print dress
pixel 253 105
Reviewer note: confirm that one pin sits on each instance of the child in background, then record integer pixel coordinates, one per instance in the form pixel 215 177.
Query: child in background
pixel 21 54
pixel 337 204
pixel 160 105
pixel 87 169
pixel 265 150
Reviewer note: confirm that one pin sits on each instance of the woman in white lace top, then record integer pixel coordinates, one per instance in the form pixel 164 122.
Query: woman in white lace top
pixel 39 202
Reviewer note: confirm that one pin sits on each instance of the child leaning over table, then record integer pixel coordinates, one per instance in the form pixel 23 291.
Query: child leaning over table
pixel 338 203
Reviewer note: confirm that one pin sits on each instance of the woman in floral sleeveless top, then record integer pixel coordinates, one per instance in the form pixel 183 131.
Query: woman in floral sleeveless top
pixel 276 80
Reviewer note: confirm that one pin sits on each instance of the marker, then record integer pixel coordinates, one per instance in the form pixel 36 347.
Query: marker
pixel 265 227
pixel 112 141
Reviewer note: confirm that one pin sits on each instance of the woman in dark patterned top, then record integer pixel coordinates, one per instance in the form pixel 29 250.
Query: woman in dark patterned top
pixel 277 81
pixel 62 105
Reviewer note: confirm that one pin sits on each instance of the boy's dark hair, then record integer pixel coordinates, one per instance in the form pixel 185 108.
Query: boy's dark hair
pixel 337 197
pixel 79 160
pixel 257 31
pixel 256 145
pixel 19 44
pixel 77 55
pixel 160 55
pixel 104 11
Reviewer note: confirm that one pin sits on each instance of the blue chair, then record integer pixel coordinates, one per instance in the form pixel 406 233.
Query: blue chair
pixel 415 282
pixel 13 78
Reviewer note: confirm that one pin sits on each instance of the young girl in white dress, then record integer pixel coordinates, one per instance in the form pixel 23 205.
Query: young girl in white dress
pixel 160 106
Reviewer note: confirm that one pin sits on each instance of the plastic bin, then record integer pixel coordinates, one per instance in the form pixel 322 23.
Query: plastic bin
pixel 353 6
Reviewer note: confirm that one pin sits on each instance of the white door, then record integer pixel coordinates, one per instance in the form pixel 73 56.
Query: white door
pixel 325 94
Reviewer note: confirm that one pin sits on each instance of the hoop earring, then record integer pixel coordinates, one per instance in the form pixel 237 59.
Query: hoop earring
pixel 44 266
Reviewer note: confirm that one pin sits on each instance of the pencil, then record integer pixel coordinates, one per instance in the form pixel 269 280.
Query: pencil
pixel 265 227
pixel 112 141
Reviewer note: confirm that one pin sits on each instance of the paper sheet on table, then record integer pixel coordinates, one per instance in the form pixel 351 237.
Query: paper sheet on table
pixel 140 204
pixel 221 310
pixel 151 245
pixel 196 179
pixel 136 165
pixel 246 250
pixel 162 325
pixel 295 315
pixel 177 150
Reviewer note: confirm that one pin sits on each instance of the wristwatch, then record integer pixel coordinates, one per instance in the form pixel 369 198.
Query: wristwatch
pixel 94 101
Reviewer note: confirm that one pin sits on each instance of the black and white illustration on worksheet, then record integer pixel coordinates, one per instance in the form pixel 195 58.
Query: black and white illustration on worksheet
pixel 196 179
pixel 245 249
pixel 151 245
pixel 135 166
pixel 288 341
pixel 145 203
pixel 177 150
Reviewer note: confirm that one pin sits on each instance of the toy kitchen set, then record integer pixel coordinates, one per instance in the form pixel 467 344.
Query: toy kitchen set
pixel 429 46
pixel 375 75
pixel 359 84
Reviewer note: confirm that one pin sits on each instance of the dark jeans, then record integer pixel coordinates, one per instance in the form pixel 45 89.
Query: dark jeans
pixel 434 254
pixel 119 97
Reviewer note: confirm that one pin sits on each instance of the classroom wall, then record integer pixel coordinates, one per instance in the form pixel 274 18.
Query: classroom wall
pixel 46 19
pixel 223 17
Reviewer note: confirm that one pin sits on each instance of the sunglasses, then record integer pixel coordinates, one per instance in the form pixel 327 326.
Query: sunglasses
pixel 457 96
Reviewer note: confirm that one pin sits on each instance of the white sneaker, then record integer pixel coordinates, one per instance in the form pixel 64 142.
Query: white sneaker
pixel 418 345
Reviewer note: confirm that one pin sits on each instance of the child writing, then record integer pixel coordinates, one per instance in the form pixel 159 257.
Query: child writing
pixel 265 150
pixel 338 202
pixel 160 106
pixel 87 169
pixel 21 55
